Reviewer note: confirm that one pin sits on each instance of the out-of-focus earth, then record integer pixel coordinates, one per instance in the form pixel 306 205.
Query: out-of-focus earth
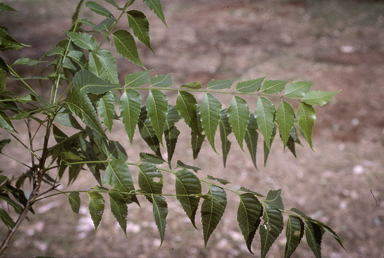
pixel 334 44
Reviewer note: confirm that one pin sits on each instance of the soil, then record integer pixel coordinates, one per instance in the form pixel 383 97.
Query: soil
pixel 335 44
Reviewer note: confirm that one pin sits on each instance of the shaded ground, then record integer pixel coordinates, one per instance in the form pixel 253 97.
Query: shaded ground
pixel 335 44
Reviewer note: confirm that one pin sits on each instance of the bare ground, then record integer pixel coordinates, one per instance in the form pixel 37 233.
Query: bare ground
pixel 335 44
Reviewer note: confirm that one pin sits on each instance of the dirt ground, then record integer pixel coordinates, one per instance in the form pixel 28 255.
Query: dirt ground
pixel 335 44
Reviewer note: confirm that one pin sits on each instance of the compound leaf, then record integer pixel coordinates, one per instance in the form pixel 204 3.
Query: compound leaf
pixel 271 228
pixel 248 217
pixel 306 117
pixel 297 89
pixel 318 97
pixel 250 85
pixel 238 114
pixel 119 209
pixel 157 108
pixel 285 116
pixel 126 46
pixel 160 212
pixel 212 210
pixel 96 207
pixel 264 113
pixel 129 107
pixel 155 6
pixel 106 107
pixel 74 201
pixel 188 184
pixel 210 110
pixel 5 7
pixel 139 24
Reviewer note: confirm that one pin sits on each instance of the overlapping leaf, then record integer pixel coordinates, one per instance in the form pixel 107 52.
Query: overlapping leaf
pixel 150 179
pixel 250 85
pixel 314 234
pixel 126 46
pixel 197 140
pixel 188 184
pixel 147 133
pixel 95 7
pixel 8 221
pixel 171 133
pixel 151 158
pixel 157 108
pixel 294 233
pixel 248 217
pixel 306 117
pixel 89 153
pixel 160 212
pixel 238 114
pixel 103 65
pixel 106 107
pixel 96 207
pixel 225 130
pixel 7 42
pixel 139 24
pixel 265 116
pixel 187 106
pixel 251 137
pixel 210 111
pixel 129 107
pixel 83 40
pixel 285 116
pixel 119 176
pixel 119 209
pixel 89 83
pixel 212 210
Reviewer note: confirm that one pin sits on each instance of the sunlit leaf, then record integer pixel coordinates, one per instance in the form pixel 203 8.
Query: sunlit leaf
pixel 297 89
pixel 96 207
pixel 157 108
pixel 139 24
pixel 126 46
pixel 155 6
pixel 238 114
pixel 160 212
pixel 119 209
pixel 83 40
pixel 162 80
pixel 250 85
pixel 318 97
pixel 212 210
pixel 265 116
pixel 74 201
pixel 285 116
pixel 27 61
pixel 129 107
pixel 210 111
pixel 220 84
pixel 306 117
pixel 188 184
pixel 273 86
pixel 248 217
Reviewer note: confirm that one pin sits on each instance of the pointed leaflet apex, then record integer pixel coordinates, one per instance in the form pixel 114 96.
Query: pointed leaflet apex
pixel 251 137
pixel 139 24
pixel 212 210
pixel 318 97
pixel 294 233
pixel 210 110
pixel 273 86
pixel 150 179
pixel 106 107
pixel 238 114
pixel 187 106
pixel 285 116
pixel 160 212
pixel 89 83
pixel 157 108
pixel 119 209
pixel 297 89
pixel 126 46
pixel 306 117
pixel 155 6
pixel 96 207
pixel 225 130
pixel 265 116
pixel 129 107
pixel 249 86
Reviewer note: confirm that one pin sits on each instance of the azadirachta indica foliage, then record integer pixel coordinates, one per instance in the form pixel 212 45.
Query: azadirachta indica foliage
pixel 91 90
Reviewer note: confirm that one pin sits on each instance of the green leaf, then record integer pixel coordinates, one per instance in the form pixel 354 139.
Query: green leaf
pixel 297 89
pixel 274 198
pixel 314 234
pixel 220 84
pixel 151 158
pixel 8 221
pixel 89 83
pixel 171 136
pixel 83 40
pixel 150 179
pixel 271 228
pixel 196 143
pixel 306 117
pixel 210 111
pixel 7 42
pixel 137 79
pixel 155 6
pixel 126 46
pixel 103 65
pixel 17 207
pixel 106 107
pixel 112 2
pixel 3 143
pixel 187 106
pixel 119 176
pixel 119 209
pixel 160 212
pixel 182 165
pixel 265 147
pixel 139 24
pixel 249 86
pixel 115 150
pixel 81 106
pixel 95 7
pixel 248 217
pixel 212 210
pixel 4 7
pixel 162 80
pixel 96 207
pixel 243 189
pixel 264 113
pixel 220 180
pixel 251 137
pixel 147 132
pixel 74 201
pixel 192 85
pixel 27 61
pixel 318 97
pixel 129 107
pixel 294 233
pixel 225 130
pixel 65 117
pixel 273 86
pixel 285 116
pixel 157 108
pixel 6 123
pixel 89 153
pixel 238 113
pixel 188 184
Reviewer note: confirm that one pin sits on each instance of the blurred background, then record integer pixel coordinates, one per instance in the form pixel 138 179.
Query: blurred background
pixel 335 44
